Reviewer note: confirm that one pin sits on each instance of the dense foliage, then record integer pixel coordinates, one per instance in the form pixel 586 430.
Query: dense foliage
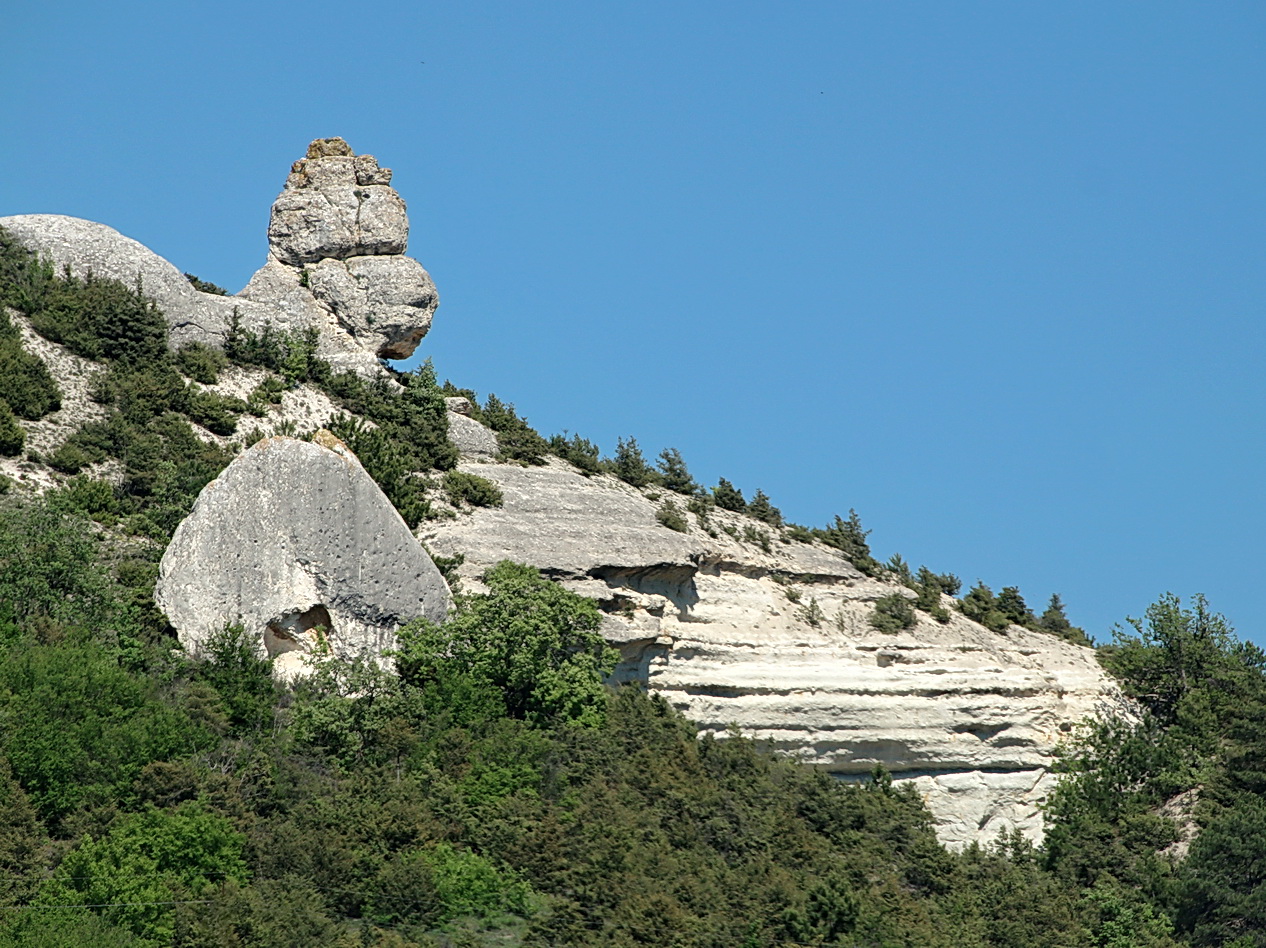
pixel 490 789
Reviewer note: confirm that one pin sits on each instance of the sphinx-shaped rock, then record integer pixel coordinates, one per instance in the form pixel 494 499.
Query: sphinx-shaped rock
pixel 337 236
pixel 336 239
pixel 297 543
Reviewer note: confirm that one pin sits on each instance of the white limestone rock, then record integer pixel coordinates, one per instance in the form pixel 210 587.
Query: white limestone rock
pixel 88 247
pixel 297 543
pixel 385 303
pixel 471 438
pixel 722 628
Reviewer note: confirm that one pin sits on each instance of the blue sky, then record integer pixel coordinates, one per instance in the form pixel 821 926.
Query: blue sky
pixel 990 273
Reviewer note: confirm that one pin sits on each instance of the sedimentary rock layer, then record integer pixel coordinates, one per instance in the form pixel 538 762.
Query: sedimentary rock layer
pixel 725 630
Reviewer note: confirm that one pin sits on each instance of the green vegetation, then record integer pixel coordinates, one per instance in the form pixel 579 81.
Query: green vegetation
pixel 472 489
pixel 205 286
pixel 892 613
pixel 25 384
pixel 728 497
pixel 849 538
pixel 491 789
pixel 630 466
pixel 672 516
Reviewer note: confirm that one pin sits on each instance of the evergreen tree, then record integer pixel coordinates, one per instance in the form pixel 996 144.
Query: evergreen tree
pixel 630 466
pixel 849 538
pixel 728 497
pixel 12 437
pixel 1012 605
pixel 762 509
pixel 1055 621
pixel 673 472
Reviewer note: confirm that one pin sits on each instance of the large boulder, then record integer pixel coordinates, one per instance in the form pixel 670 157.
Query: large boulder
pixel 337 236
pixel 298 544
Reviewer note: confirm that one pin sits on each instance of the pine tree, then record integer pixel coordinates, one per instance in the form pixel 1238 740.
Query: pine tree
pixel 728 497
pixel 673 472
pixel 762 509
pixel 630 466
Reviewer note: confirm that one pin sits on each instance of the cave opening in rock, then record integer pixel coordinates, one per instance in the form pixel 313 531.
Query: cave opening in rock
pixel 298 631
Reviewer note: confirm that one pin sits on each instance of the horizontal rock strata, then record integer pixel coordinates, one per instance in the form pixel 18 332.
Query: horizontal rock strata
pixel 722 629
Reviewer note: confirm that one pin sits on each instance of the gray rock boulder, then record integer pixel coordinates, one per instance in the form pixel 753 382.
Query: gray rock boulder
pixel 297 543
pixel 385 303
pixel 472 438
pixel 88 247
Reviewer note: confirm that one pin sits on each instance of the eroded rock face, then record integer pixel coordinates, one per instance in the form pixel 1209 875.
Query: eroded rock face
pixel 726 632
pixel 297 543
pixel 337 236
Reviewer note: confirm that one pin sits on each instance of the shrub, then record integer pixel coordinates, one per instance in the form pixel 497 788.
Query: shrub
pixel 762 509
pixel 517 439
pixel 472 489
pixel 102 319
pixel 205 286
pixel 892 613
pixel 1054 621
pixel 201 362
pixel 529 642
pixel 12 437
pixel 811 613
pixel 849 538
pixel 759 537
pixel 24 278
pixel 25 382
pixel 88 497
pixel 979 605
pixel 671 516
pixel 216 413
pixel 579 451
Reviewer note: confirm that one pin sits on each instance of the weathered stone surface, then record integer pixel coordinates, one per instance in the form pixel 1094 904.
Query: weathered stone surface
pixel 296 542
pixel 87 247
pixel 337 217
pixel 336 206
pixel 472 438
pixel 724 630
pixel 386 303
pixel 312 223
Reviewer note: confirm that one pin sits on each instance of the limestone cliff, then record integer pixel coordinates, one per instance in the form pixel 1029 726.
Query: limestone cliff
pixel 724 630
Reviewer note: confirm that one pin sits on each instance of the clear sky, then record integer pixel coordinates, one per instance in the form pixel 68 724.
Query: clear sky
pixel 990 273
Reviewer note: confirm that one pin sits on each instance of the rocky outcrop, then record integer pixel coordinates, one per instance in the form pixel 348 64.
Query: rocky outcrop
pixel 337 237
pixel 297 543
pixel 778 642
pixel 471 438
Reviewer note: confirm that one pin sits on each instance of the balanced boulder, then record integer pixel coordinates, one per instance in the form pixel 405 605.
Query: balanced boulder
pixel 296 543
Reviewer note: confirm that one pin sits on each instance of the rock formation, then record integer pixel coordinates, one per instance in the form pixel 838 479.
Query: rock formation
pixel 724 629
pixel 297 543
pixel 337 237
